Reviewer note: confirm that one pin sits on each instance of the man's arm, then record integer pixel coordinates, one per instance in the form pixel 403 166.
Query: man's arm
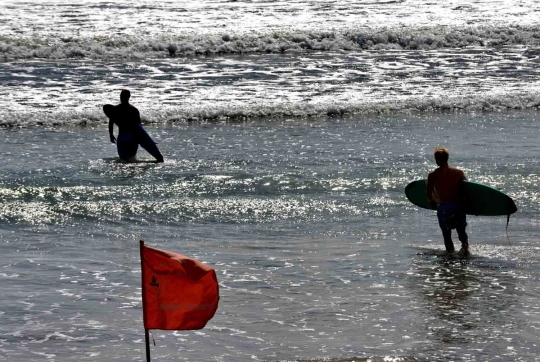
pixel 111 128
pixel 430 187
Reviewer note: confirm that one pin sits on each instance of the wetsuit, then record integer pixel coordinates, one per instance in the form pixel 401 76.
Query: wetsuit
pixel 128 120
pixel 131 133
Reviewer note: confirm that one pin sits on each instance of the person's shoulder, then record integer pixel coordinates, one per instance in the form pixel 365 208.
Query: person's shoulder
pixel 455 169
pixel 133 110
pixel 458 172
pixel 433 173
pixel 122 106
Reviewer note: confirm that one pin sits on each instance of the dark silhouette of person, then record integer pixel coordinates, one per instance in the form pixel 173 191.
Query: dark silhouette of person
pixel 443 188
pixel 130 130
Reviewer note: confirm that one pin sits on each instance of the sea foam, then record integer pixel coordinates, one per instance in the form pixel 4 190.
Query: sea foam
pixel 133 47
pixel 240 112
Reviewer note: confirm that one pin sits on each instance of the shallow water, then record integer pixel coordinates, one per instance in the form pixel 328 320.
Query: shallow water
pixel 318 252
pixel 290 130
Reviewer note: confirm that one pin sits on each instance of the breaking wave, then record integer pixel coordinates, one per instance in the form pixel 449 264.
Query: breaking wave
pixel 278 111
pixel 130 47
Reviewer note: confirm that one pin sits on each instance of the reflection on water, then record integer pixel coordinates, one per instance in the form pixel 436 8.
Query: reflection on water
pixel 465 299
pixel 448 287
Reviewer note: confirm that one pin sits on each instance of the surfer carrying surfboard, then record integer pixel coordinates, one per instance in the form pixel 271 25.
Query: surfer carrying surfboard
pixel 131 133
pixel 443 188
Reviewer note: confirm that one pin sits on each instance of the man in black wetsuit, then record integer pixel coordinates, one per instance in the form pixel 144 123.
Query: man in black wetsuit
pixel 127 117
pixel 130 131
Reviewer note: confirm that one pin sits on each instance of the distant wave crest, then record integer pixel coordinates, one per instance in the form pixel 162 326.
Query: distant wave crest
pixel 103 47
pixel 276 111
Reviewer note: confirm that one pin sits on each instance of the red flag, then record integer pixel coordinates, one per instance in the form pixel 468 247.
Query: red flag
pixel 178 292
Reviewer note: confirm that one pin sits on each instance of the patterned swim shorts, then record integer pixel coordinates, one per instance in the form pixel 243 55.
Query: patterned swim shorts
pixel 451 216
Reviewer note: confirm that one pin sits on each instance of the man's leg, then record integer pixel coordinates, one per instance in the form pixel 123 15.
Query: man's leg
pixel 445 225
pixel 463 237
pixel 462 234
pixel 448 243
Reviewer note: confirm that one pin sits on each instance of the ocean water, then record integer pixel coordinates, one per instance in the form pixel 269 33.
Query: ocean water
pixel 290 130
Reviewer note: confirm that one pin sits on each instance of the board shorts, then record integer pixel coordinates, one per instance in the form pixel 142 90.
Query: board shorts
pixel 451 216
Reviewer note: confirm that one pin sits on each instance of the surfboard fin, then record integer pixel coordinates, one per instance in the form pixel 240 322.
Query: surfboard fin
pixel 507 222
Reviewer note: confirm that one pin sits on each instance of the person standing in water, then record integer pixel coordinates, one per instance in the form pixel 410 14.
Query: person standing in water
pixel 130 130
pixel 443 188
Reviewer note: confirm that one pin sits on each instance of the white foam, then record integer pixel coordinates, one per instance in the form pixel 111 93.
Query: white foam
pixel 162 46
pixel 234 112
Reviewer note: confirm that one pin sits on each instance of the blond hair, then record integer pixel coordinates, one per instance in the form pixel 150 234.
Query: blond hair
pixel 441 154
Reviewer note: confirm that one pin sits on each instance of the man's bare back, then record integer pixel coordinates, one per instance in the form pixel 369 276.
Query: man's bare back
pixel 444 181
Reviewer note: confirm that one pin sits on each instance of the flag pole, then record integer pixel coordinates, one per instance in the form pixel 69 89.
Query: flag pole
pixel 143 290
pixel 147 342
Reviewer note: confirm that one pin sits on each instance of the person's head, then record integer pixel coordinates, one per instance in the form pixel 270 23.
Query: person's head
pixel 441 155
pixel 124 96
